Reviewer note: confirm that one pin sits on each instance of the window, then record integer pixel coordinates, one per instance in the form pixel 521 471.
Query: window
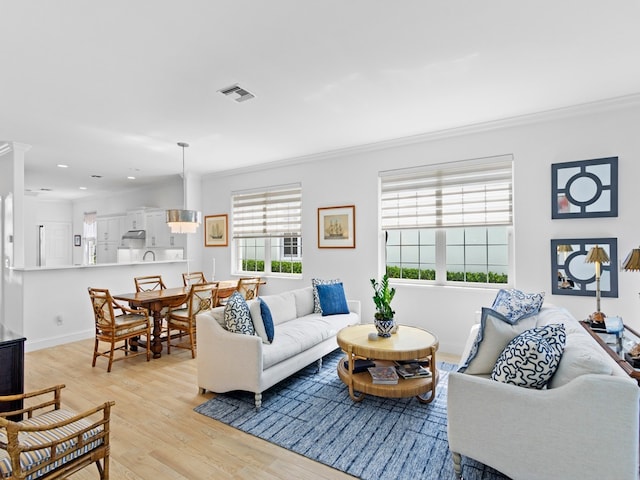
pixel 449 222
pixel 267 230
pixel 90 234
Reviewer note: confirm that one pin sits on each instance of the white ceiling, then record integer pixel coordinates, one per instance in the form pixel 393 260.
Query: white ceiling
pixel 109 87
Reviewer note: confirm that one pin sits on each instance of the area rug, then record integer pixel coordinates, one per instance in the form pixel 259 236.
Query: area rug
pixel 312 414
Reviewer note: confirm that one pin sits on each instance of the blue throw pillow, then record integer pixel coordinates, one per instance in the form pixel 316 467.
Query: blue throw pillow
pixel 267 320
pixel 332 299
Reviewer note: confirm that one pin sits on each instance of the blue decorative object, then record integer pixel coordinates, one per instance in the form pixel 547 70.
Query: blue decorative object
pixel 267 320
pixel 332 299
pixel 237 316
pixel 384 326
pixel 570 275
pixel 515 304
pixel 585 189
pixel 316 300
pixel 531 358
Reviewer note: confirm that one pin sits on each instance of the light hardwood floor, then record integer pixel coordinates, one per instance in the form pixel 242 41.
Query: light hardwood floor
pixel 155 432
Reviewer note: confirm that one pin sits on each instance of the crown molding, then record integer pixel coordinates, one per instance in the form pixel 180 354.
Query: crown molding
pixel 588 108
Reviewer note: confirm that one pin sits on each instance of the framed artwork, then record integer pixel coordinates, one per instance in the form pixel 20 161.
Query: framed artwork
pixel 571 275
pixel 77 240
pixel 216 231
pixel 337 227
pixel 585 189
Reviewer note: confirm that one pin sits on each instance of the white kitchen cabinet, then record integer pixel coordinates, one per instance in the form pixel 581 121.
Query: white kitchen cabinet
pixel 110 228
pixel 158 232
pixel 136 219
pixel 106 252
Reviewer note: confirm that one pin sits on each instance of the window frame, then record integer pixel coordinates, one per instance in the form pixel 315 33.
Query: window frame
pixel 429 171
pixel 266 221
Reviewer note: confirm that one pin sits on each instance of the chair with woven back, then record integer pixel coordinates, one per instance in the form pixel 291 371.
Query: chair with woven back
pixel 193 278
pixel 52 442
pixel 112 328
pixel 202 297
pixel 248 287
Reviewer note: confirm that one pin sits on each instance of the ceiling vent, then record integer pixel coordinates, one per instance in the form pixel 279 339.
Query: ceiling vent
pixel 240 93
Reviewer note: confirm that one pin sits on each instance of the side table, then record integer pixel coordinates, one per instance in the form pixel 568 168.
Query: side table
pixel 616 347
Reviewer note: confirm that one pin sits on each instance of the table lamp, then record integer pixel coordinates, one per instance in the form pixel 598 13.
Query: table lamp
pixel 598 256
pixel 632 262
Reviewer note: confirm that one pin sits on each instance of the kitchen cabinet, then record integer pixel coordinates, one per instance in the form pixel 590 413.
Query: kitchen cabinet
pixel 110 228
pixel 135 219
pixel 158 232
pixel 106 252
pixel 110 231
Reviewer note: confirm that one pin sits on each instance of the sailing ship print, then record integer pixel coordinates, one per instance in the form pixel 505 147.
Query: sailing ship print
pixel 333 228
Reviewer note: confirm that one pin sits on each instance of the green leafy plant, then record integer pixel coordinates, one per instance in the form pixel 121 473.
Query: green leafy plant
pixel 382 298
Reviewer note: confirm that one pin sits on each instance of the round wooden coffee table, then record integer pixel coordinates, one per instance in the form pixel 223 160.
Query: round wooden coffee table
pixel 408 343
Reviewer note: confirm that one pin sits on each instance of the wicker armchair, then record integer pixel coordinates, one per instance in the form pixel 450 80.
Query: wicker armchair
pixel 112 328
pixel 52 442
pixel 202 297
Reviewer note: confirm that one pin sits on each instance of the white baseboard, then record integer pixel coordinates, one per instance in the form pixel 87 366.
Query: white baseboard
pixel 31 346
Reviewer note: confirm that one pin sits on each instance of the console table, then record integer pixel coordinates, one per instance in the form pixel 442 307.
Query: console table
pixel 12 371
pixel 616 347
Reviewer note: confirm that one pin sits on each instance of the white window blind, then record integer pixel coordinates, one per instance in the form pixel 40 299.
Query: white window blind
pixel 468 193
pixel 274 212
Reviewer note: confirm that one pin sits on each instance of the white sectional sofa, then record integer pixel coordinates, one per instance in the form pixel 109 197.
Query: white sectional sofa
pixel 584 425
pixel 229 361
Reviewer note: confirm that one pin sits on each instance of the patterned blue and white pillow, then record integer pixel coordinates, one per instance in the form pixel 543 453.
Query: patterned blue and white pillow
pixel 237 316
pixel 531 358
pixel 316 299
pixel 515 304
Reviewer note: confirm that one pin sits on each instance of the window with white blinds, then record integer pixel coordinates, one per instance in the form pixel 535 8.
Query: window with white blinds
pixel 457 194
pixel 267 230
pixel 273 212
pixel 449 222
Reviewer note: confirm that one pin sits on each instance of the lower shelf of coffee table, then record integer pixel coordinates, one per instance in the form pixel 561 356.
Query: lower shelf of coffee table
pixel 362 382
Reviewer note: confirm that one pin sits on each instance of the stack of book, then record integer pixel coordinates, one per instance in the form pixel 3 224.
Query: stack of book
pixel 413 369
pixel 383 375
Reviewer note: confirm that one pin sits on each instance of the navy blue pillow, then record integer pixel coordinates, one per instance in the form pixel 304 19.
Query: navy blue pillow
pixel 332 299
pixel 267 320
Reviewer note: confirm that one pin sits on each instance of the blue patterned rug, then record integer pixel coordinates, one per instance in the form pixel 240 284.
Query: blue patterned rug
pixel 311 414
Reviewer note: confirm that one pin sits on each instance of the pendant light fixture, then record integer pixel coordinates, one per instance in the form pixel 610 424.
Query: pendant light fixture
pixel 183 221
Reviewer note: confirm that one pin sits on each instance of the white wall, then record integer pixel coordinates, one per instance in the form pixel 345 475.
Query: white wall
pixel 56 302
pixel 351 178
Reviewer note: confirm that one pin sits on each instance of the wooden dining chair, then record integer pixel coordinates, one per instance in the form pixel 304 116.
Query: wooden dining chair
pixel 112 328
pixel 248 287
pixel 193 278
pixel 150 282
pixel 202 297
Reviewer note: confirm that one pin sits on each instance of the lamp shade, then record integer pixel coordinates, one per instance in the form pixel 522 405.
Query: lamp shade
pixel 632 262
pixel 183 221
pixel 565 248
pixel 597 255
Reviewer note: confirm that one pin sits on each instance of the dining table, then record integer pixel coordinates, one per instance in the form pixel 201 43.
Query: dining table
pixel 157 300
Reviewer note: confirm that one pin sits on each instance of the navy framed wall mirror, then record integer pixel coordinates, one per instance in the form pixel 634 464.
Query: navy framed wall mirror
pixel 572 275
pixel 585 189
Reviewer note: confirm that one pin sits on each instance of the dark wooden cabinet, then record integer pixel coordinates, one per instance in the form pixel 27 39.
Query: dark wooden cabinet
pixel 11 368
